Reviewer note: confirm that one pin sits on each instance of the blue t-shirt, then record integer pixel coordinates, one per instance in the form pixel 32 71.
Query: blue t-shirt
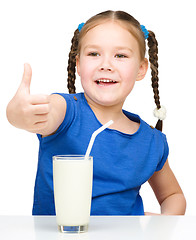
pixel 121 162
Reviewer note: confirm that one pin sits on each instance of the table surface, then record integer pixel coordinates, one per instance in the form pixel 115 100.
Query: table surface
pixel 101 228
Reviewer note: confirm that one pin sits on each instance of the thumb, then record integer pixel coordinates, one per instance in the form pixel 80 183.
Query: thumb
pixel 26 79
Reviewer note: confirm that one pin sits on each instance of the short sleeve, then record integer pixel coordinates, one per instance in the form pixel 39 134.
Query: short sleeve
pixel 165 152
pixel 70 112
pixel 69 116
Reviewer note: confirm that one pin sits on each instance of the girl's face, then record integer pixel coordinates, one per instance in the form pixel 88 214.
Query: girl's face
pixel 109 64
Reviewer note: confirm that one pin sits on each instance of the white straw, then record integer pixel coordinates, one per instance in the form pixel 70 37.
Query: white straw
pixel 94 136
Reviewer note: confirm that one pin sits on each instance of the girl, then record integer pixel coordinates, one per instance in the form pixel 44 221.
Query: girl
pixel 109 53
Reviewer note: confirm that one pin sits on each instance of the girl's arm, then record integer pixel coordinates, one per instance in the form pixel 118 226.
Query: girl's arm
pixel 41 114
pixel 168 192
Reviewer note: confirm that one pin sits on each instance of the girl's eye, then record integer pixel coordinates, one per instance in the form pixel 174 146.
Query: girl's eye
pixel 120 56
pixel 93 54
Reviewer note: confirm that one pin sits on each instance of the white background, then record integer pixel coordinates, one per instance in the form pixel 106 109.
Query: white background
pixel 39 32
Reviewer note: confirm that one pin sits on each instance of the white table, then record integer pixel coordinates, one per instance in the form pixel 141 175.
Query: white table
pixel 101 228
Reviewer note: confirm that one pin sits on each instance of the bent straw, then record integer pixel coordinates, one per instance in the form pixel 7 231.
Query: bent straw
pixel 94 136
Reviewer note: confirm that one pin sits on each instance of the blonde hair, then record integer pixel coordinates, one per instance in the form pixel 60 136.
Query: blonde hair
pixel 134 27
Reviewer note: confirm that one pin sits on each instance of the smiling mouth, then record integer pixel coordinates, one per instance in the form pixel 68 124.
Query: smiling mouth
pixel 105 82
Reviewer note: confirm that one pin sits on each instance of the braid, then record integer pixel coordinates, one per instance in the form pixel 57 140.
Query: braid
pixel 72 63
pixel 153 58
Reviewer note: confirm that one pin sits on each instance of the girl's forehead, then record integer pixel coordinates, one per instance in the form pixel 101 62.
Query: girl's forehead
pixel 110 31
pixel 112 25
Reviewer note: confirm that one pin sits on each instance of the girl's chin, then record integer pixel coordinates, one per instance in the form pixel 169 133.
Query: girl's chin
pixel 104 100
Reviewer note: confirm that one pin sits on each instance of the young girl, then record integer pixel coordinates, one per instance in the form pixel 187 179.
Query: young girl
pixel 109 53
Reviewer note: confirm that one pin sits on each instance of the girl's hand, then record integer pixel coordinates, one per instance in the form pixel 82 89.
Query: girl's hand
pixel 151 214
pixel 26 111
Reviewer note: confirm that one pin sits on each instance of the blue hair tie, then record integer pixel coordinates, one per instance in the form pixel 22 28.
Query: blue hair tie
pixel 80 26
pixel 145 31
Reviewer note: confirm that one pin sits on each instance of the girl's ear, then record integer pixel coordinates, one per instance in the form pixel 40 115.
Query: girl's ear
pixel 143 69
pixel 78 64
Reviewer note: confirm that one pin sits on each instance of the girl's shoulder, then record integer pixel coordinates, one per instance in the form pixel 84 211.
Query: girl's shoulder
pixel 145 129
pixel 155 132
pixel 71 96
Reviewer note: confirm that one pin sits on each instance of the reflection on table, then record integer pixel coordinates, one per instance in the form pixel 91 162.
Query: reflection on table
pixel 101 228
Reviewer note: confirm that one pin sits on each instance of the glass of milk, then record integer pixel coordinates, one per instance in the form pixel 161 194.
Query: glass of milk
pixel 72 177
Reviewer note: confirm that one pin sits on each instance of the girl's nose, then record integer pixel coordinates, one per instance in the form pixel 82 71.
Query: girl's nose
pixel 106 68
pixel 106 65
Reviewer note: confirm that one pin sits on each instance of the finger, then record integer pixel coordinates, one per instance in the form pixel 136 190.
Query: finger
pixel 38 126
pixel 39 99
pixel 26 79
pixel 40 118
pixel 41 109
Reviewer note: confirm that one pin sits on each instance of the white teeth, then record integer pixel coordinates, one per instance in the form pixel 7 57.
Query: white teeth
pixel 105 80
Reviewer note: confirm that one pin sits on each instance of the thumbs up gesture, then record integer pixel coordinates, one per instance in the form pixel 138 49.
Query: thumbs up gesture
pixel 26 111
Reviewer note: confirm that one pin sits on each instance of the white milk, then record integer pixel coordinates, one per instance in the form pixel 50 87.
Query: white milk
pixel 73 191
